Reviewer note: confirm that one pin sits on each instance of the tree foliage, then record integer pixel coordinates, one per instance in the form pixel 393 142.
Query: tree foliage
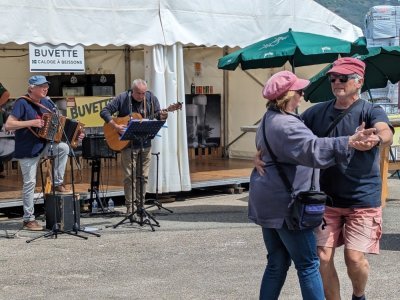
pixel 354 11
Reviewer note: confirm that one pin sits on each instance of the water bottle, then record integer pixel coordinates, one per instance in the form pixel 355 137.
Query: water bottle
pixel 192 88
pixel 94 207
pixel 110 205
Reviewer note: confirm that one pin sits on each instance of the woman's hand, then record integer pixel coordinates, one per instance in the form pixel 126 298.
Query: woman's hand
pixel 259 164
pixel 364 139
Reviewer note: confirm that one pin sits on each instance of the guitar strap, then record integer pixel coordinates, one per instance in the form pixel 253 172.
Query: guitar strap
pixel 145 106
pixel 152 103
pixel 144 103
pixel 130 102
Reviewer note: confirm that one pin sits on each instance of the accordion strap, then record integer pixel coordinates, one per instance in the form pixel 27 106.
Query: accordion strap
pixel 39 105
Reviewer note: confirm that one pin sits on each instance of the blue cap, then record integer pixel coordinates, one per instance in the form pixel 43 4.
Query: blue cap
pixel 38 80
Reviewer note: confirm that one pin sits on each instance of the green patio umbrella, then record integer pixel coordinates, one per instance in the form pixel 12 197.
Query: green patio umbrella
pixel 297 48
pixel 382 65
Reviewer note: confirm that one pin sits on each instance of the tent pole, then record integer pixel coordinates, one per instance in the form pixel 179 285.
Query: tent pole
pixel 225 108
pixel 127 56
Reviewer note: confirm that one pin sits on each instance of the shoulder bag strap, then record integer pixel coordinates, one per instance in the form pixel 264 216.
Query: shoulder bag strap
pixel 341 116
pixel 281 172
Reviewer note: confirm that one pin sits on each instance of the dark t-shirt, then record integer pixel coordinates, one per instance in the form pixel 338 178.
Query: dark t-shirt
pixel 125 105
pixel 358 183
pixel 26 143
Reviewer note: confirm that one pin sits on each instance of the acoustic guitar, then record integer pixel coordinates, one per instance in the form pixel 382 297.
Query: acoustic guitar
pixel 113 137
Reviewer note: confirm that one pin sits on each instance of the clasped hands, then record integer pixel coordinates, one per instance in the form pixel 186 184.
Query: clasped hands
pixel 364 139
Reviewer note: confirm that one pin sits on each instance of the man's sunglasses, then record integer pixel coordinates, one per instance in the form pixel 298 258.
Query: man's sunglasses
pixel 342 78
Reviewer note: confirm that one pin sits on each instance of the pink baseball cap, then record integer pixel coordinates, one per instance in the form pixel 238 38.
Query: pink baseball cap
pixel 348 66
pixel 282 82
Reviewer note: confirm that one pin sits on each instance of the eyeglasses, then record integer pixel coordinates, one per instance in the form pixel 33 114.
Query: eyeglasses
pixel 300 92
pixel 342 78
pixel 43 86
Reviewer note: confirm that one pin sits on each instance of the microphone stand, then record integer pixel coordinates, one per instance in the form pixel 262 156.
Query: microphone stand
pixel 56 227
pixel 155 201
pixel 76 227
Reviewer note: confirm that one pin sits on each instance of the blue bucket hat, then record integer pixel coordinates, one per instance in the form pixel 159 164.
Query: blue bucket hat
pixel 38 80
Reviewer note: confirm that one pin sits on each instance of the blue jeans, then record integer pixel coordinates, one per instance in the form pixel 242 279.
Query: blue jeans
pixel 29 169
pixel 284 245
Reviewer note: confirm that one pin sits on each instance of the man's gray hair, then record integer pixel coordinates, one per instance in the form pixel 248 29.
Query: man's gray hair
pixel 357 78
pixel 30 87
pixel 137 82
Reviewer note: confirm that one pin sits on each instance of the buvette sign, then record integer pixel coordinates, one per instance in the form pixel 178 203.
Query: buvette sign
pixel 60 58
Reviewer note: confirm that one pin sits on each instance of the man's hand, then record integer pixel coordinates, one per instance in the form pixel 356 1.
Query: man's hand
pixel 39 123
pixel 364 139
pixel 118 128
pixel 163 115
pixel 259 164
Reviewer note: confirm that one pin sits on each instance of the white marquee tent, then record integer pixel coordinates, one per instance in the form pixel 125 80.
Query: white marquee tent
pixel 164 27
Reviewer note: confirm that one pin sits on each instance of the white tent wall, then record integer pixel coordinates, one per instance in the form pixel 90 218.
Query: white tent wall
pixel 163 65
pixel 162 23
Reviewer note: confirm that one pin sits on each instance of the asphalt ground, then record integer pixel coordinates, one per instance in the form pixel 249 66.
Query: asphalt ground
pixel 205 249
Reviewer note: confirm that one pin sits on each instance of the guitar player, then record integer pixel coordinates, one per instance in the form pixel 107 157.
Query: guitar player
pixel 140 103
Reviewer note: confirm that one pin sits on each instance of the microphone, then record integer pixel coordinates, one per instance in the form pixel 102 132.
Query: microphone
pixel 55 108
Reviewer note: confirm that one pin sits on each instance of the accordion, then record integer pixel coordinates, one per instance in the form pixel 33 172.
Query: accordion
pixel 60 129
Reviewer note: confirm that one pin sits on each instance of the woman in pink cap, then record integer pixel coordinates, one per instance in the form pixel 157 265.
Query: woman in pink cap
pixel 298 151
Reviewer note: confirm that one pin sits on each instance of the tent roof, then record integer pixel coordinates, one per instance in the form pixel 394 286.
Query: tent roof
pixel 166 22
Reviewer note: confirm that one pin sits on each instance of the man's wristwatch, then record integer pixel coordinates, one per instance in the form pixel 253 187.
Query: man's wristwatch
pixel 380 141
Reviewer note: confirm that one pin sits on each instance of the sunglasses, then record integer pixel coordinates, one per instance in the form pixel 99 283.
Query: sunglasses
pixel 342 78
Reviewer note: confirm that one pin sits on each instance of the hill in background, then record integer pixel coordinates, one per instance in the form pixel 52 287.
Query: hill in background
pixel 354 11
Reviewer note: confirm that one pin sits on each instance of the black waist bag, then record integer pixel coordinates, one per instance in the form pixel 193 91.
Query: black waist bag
pixel 307 209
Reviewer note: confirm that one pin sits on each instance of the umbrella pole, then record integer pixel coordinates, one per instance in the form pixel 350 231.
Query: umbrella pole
pixel 369 92
pixel 292 64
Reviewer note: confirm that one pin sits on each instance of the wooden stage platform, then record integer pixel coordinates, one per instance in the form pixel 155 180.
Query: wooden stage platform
pixel 203 173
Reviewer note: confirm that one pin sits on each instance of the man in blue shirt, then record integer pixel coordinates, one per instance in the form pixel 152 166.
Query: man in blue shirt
pixel 25 119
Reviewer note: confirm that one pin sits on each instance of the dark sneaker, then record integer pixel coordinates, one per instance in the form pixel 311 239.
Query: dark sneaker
pixel 62 189
pixel 32 225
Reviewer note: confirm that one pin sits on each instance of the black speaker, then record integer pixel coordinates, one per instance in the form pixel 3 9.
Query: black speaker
pixel 95 146
pixel 60 208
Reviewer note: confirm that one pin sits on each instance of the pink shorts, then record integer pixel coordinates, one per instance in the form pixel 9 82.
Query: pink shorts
pixel 356 228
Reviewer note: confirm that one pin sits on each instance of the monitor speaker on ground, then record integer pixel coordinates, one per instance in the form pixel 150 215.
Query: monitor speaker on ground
pixel 94 146
pixel 63 211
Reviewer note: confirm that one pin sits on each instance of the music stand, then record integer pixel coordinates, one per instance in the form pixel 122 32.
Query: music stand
pixel 139 131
